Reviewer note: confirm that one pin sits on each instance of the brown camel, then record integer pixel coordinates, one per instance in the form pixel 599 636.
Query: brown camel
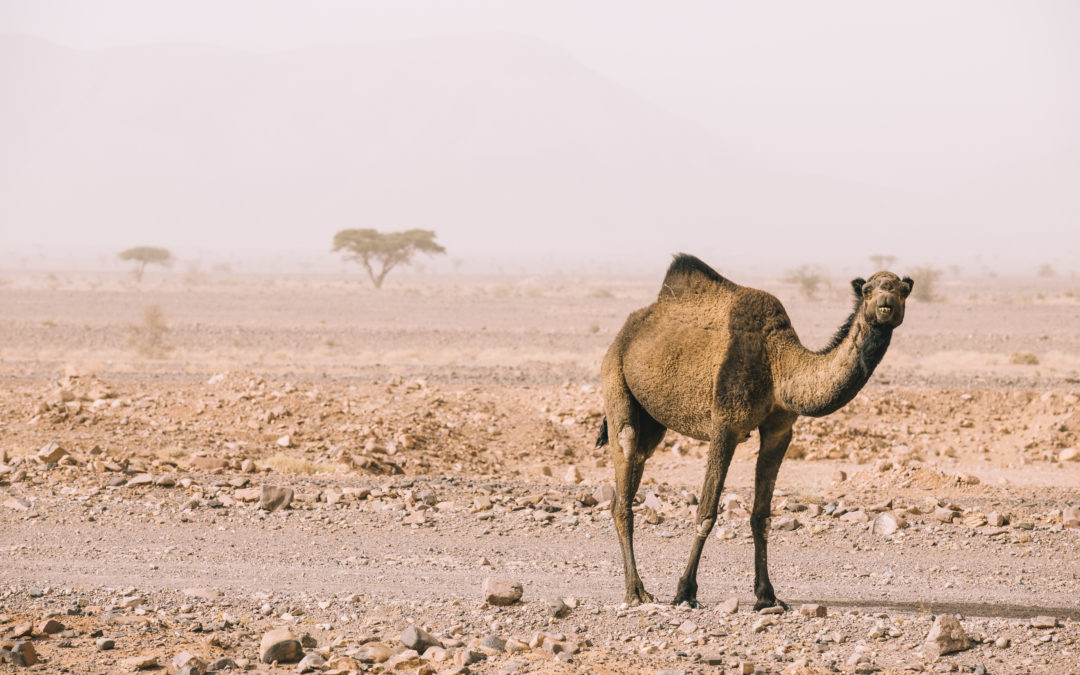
pixel 713 360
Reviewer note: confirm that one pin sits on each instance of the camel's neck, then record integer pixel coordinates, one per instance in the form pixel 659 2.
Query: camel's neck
pixel 819 383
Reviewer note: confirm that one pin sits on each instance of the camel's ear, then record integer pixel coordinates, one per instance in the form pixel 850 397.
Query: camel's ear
pixel 857 284
pixel 907 283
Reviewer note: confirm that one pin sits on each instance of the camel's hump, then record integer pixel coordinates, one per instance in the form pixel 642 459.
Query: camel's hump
pixel 688 274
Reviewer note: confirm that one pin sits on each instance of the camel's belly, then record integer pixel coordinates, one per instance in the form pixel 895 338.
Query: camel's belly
pixel 672 374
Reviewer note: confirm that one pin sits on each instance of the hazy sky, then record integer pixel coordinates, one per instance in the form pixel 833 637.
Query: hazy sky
pixel 941 99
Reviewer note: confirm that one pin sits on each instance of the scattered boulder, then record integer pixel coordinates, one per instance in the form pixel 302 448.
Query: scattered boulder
pixel 311 662
pixel 557 608
pixel 280 645
pixel 1044 622
pixel 502 592
pixel 729 606
pixel 373 652
pixel 887 524
pixel 813 610
pixel 419 639
pixel 21 653
pixel 51 453
pixel 50 627
pixel 186 663
pixel 943 514
pixel 273 498
pixel 142 662
pixel 946 636
pixel 787 524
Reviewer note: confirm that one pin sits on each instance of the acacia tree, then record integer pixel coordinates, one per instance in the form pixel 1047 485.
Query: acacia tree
pixel 146 255
pixel 380 252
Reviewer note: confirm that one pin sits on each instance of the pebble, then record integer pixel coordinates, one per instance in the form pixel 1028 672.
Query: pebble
pixel 887 524
pixel 311 662
pixel 279 645
pixel 22 653
pixel 105 644
pixel 944 515
pixel 186 663
pixel 140 479
pixel 502 592
pixel 729 606
pixel 1044 622
pixel 419 639
pixel 812 610
pixel 787 524
pixel 1070 517
pixel 688 627
pixel 557 608
pixel 573 475
pixel 143 662
pixel 1069 455
pixel 493 642
pixel 51 453
pixel 50 627
pixel 946 636
pixel 775 609
pixel 272 497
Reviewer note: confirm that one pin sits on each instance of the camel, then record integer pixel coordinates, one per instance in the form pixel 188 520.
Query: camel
pixel 714 360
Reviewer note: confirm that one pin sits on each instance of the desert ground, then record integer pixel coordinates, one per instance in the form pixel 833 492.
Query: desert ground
pixel 191 462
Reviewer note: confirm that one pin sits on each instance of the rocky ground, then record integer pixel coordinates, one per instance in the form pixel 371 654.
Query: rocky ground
pixel 162 514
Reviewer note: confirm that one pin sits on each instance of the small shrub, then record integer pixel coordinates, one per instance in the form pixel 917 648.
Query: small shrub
pixel 1023 359
pixel 1046 271
pixel 926 278
pixel 148 337
pixel 808 278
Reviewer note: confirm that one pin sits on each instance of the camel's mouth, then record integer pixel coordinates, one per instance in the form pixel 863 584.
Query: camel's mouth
pixel 884 312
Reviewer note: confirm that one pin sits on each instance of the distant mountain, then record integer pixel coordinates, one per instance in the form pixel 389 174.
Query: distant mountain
pixel 505 145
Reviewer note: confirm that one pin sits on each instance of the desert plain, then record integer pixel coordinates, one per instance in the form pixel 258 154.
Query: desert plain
pixel 192 462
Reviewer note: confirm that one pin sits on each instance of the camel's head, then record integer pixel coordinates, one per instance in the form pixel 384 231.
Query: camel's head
pixel 882 298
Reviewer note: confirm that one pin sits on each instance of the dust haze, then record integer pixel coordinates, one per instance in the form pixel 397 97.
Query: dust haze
pixel 224 444
pixel 532 136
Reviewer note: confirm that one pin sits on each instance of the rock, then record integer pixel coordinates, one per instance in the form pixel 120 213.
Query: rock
pixel 493 642
pixel 746 667
pixel 186 663
pixel 273 498
pixel 995 519
pixel 202 593
pixel 17 504
pixel 499 591
pixel 653 502
pixel 652 516
pixel 729 606
pixel 311 662
pixel 787 524
pixel 839 476
pixel 604 493
pixel 342 663
pixel 764 622
pixel 857 516
pixel 167 480
pixel 419 639
pixel 1044 622
pixel 812 610
pixel 22 653
pixel 406 660
pixel 373 652
pixel 51 453
pixel 140 479
pixel 688 627
pixel 50 627
pixel 1069 455
pixel 557 608
pixel 280 645
pixel 774 609
pixel 200 463
pixel 22 630
pixel 104 644
pixel 226 664
pixel 247 466
pixel 284 441
pixel 144 662
pixel 1002 643
pixel 573 475
pixel 946 636
pixel 943 514
pixel 1070 517
pixel 466 657
pixel 887 524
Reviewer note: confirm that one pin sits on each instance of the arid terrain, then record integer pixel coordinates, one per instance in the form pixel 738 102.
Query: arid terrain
pixel 191 462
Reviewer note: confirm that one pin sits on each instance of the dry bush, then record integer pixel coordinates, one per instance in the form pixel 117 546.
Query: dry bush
pixel 808 278
pixel 148 337
pixel 1023 359
pixel 926 278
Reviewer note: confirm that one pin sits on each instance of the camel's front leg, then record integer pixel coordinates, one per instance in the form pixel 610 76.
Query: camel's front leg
pixel 721 450
pixel 774 443
pixel 628 472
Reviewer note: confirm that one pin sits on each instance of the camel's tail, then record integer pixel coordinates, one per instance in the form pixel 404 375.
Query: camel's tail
pixel 601 440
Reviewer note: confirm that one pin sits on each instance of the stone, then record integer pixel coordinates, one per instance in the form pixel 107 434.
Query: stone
pixel 729 606
pixel 514 646
pixel 51 453
pixel 273 498
pixel 406 660
pixel 813 610
pixel 787 524
pixel 1002 643
pixel 373 652
pixel 995 519
pixel 419 639
pixel 501 592
pixel 493 642
pixel 746 668
pixel 200 463
pixel 17 504
pixel 22 653
pixel 343 663
pixel 186 663
pixel 946 636
pixel 467 657
pixel 1069 455
pixel 857 516
pixel 104 644
pixel 653 502
pixel 1070 517
pixel 774 609
pixel 202 593
pixel 557 608
pixel 943 514
pixel 280 645
pixel 311 662
pixel 168 480
pixel 50 627
pixel 140 479
pixel 764 622
pixel 22 630
pixel 687 627
pixel 1044 622
pixel 225 663
pixel 573 475
pixel 887 524
pixel 143 662
pixel 284 441
pixel 604 493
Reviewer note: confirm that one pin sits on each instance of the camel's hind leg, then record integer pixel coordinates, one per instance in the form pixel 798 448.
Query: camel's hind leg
pixel 721 450
pixel 775 437
pixel 634 436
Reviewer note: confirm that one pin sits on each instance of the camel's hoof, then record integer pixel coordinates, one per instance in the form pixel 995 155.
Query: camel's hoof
pixel 763 603
pixel 692 602
pixel 639 597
